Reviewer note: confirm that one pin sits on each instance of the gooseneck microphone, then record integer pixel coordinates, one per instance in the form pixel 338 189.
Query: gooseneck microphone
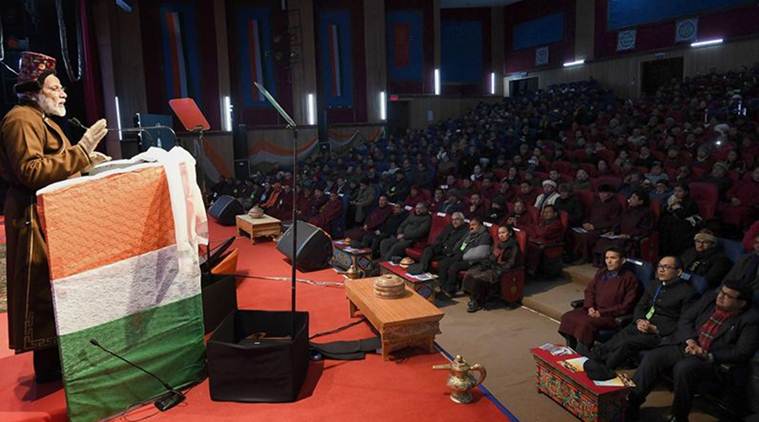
pixel 142 129
pixel 162 403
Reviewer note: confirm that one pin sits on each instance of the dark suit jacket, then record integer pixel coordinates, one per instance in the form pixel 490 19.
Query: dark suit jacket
pixel 736 341
pixel 673 300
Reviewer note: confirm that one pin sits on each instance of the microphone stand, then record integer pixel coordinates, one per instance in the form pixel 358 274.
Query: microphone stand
pixel 292 126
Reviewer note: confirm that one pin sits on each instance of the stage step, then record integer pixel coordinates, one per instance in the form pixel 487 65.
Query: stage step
pixel 579 274
pixel 551 298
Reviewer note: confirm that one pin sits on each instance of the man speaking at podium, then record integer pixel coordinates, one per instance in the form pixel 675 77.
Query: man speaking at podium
pixel 34 153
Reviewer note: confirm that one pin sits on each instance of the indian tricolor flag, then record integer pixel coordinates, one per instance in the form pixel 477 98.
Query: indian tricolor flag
pixel 124 270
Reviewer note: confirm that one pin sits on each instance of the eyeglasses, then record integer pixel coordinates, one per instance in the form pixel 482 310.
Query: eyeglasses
pixel 722 293
pixel 702 242
pixel 666 267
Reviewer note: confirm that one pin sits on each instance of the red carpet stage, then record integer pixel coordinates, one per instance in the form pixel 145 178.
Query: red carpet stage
pixel 364 390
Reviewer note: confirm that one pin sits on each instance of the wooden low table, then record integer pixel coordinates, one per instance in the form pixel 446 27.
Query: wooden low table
pixel 345 256
pixel 265 226
pixel 403 322
pixel 577 393
pixel 425 288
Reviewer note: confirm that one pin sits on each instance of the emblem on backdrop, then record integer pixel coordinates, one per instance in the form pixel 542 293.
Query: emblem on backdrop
pixel 626 40
pixel 541 56
pixel 686 30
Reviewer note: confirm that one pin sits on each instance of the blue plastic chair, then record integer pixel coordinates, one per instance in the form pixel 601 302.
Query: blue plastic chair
pixel 733 249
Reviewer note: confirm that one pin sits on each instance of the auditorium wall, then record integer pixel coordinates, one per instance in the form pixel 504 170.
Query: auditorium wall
pixel 623 74
pixel 426 110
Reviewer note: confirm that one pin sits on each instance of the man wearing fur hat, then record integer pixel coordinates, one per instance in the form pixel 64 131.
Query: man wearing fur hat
pixel 34 153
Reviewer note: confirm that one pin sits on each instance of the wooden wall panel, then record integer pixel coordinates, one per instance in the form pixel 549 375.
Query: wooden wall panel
pixel 623 74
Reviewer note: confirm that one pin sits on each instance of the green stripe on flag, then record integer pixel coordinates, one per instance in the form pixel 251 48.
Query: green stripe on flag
pixel 167 341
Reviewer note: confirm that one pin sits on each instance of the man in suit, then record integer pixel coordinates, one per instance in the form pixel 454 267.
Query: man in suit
pixel 721 328
pixel 443 246
pixel 655 317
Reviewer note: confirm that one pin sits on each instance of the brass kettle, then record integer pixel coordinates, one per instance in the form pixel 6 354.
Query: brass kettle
pixel 462 380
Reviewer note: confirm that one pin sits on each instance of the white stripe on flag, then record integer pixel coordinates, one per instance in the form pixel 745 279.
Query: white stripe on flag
pixel 115 291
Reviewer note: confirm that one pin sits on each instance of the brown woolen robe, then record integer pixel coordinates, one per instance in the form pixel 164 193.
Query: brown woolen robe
pixel 34 153
pixel 372 223
pixel 328 212
pixel 612 294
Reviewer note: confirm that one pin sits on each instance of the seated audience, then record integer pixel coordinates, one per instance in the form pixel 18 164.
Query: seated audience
pixel 328 213
pixel 742 206
pixel 637 222
pixel 527 193
pixel 746 270
pixel 388 229
pixel 474 246
pixel 582 181
pixel 364 200
pixel 655 317
pixel 415 196
pixel 546 231
pixel 706 258
pixel 613 292
pixel 678 222
pixel 604 216
pixel 373 221
pixel 549 195
pixel 721 328
pixel 519 217
pixel 283 207
pixel 443 245
pixel 568 202
pixel 482 279
pixel 414 228
pixel 451 204
pixel 476 207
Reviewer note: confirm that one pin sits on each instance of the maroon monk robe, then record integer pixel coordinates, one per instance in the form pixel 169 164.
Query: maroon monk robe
pixel 603 216
pixel 313 206
pixel 612 295
pixel 412 200
pixel 747 192
pixel 372 223
pixel 283 209
pixel 301 203
pixel 528 197
pixel 480 211
pixel 328 213
pixel 542 233
pixel 635 222
pixel 523 221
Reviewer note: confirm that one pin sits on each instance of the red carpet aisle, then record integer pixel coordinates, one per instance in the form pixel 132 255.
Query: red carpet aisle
pixel 366 390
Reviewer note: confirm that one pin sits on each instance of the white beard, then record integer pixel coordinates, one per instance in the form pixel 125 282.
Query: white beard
pixel 50 106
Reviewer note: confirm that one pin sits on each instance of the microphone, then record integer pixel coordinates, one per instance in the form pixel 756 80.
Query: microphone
pixel 163 402
pixel 74 121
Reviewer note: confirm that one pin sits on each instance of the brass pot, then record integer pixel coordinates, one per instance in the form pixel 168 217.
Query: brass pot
pixel 461 380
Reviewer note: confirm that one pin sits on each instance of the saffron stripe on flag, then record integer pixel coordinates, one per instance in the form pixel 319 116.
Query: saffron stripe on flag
pixel 107 230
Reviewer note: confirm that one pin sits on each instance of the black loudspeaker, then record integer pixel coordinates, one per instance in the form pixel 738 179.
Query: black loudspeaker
pixel 313 249
pixel 252 357
pixel 242 169
pixel 224 210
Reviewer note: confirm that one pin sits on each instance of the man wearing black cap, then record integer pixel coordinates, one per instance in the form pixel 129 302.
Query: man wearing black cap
pixel 721 328
pixel 34 153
